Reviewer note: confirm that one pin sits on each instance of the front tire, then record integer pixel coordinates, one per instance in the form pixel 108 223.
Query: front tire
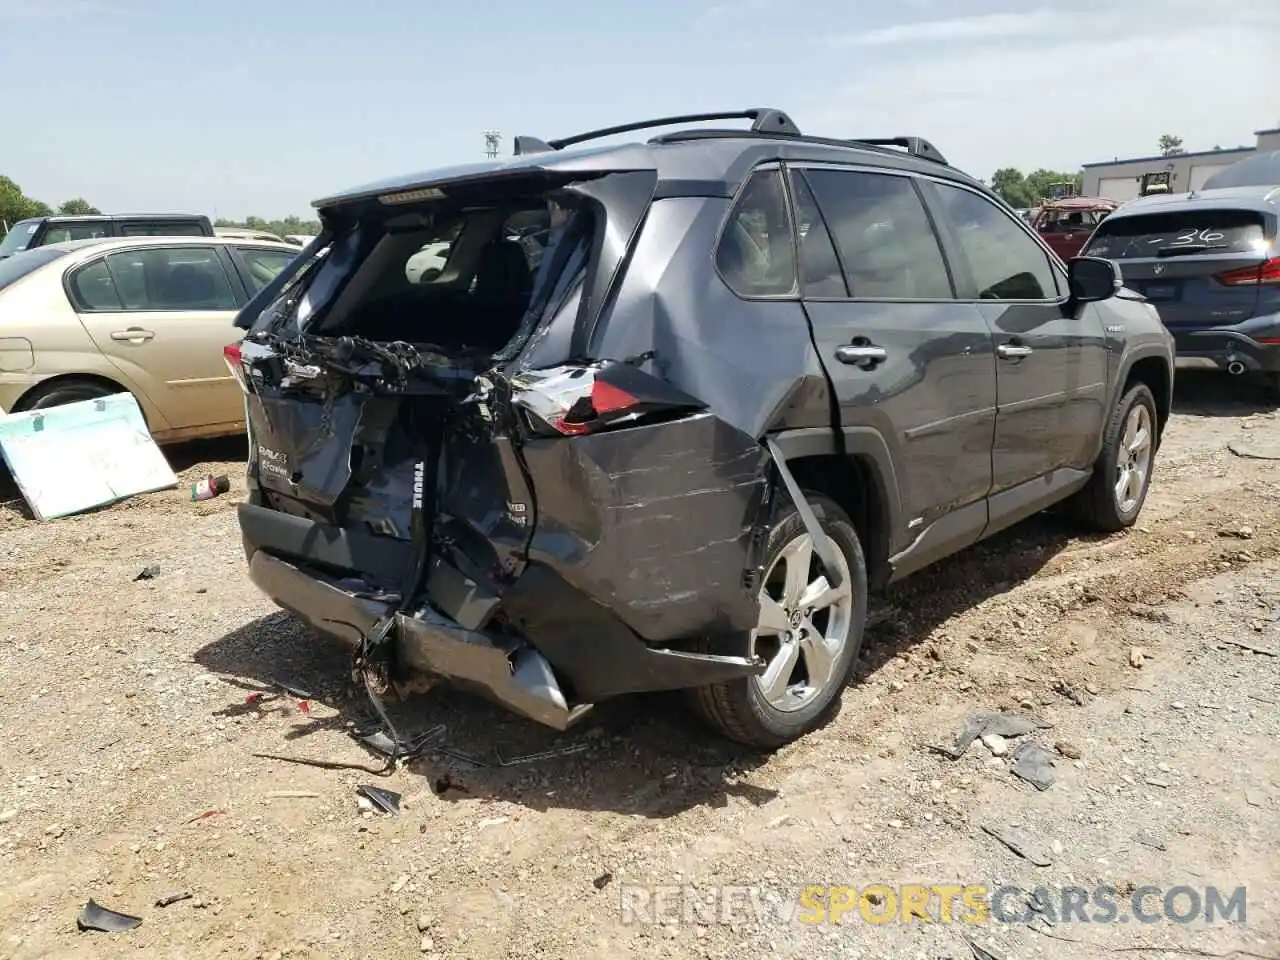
pixel 1122 473
pixel 808 633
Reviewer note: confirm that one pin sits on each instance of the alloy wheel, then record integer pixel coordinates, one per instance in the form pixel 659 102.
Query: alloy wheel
pixel 804 625
pixel 1133 459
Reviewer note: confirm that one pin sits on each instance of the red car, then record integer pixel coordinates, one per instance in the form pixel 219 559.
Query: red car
pixel 1066 224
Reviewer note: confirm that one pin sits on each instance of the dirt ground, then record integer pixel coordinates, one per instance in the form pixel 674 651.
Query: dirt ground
pixel 133 761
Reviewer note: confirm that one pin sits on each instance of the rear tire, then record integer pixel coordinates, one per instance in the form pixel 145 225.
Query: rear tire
pixel 66 391
pixel 1128 454
pixel 809 636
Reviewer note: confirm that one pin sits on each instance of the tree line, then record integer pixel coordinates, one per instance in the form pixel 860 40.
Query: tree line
pixel 15 205
pixel 289 226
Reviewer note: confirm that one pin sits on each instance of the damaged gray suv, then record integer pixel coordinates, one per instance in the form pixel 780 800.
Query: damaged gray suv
pixel 661 414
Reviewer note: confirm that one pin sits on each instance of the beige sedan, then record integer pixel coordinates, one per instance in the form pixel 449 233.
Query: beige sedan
pixel 149 315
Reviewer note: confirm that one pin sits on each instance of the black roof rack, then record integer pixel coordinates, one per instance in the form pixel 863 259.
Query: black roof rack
pixel 916 146
pixel 764 120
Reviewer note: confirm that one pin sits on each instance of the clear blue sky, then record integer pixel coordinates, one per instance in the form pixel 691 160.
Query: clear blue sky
pixel 236 107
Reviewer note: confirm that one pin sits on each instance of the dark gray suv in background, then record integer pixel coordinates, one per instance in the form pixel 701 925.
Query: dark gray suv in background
pixel 745 377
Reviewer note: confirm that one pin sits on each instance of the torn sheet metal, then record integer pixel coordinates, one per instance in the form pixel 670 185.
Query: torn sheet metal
pixel 79 456
pixel 653 522
pixel 96 917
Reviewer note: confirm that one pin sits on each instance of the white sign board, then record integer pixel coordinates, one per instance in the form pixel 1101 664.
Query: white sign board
pixel 82 455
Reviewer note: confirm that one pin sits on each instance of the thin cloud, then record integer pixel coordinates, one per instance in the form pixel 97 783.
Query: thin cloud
pixel 47 9
pixel 992 26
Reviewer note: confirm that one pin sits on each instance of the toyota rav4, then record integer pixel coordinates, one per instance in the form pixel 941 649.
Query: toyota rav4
pixel 667 411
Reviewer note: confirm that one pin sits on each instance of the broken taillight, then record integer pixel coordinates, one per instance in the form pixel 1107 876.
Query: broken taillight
pixel 1267 272
pixel 572 401
pixel 235 363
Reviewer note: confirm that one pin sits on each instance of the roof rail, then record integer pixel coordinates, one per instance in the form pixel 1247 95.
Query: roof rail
pixel 915 146
pixel 763 120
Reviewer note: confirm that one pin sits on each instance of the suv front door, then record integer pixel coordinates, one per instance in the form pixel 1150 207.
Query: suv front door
pixel 1052 356
pixel 904 356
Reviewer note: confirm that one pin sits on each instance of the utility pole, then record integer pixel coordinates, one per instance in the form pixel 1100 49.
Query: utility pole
pixel 491 141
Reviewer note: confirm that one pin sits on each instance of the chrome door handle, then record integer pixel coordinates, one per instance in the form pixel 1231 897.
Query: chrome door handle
pixel 861 356
pixel 133 335
pixel 1008 351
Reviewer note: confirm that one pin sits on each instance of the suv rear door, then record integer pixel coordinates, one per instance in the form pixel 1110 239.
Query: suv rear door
pixel 1198 266
pixel 1052 362
pixel 905 357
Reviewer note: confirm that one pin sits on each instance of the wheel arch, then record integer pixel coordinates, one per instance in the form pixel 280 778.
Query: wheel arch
pixel 860 479
pixel 1156 371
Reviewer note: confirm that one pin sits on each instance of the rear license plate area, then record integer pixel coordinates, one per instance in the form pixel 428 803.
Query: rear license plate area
pixel 1160 291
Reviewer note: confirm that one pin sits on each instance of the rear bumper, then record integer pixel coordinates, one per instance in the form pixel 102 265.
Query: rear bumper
pixel 1231 349
pixel 517 677
pixel 571 652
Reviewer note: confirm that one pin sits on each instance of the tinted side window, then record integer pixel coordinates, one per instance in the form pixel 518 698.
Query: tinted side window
pixel 94 288
pixel 181 278
pixel 756 255
pixel 1006 264
pixel 153 228
pixel 886 241
pixel 262 266
pixel 62 232
pixel 820 272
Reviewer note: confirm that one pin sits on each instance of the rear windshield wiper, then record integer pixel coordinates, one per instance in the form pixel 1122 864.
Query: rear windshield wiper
pixel 1190 248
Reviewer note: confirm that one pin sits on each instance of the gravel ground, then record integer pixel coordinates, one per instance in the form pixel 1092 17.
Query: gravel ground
pixel 136 739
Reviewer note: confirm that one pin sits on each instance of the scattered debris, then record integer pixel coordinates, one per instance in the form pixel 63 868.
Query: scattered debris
pixel 1034 764
pixel 401 882
pixel 96 917
pixel 1251 648
pixel 492 822
pixel 208 814
pixel 292 795
pixel 997 744
pixel 1068 750
pixel 980 952
pixel 999 724
pixel 148 573
pixel 380 742
pixel 602 881
pixel 172 897
pixel 1253 797
pixel 7 815
pixel 1138 656
pixel 385 800
pixel 447 783
pixel 1157 782
pixel 210 487
pixel 1065 689
pixel 1020 844
pixel 1240 533
pixel 1152 839
pixel 1178 705
pixel 555 752
pixel 1253 453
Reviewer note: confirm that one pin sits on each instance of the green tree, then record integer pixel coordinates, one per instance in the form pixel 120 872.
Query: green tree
pixel 79 207
pixel 1170 145
pixel 1020 190
pixel 1012 187
pixel 16 205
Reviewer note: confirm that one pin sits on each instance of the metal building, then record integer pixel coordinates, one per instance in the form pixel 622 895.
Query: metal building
pixel 1120 179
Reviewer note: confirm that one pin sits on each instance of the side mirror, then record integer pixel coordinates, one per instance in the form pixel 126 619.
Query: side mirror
pixel 1092 279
